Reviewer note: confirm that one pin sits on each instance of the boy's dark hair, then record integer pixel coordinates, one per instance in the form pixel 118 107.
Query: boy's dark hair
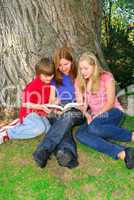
pixel 45 66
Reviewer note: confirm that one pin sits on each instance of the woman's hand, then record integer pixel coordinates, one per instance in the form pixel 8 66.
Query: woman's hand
pixel 45 109
pixel 57 101
pixel 59 112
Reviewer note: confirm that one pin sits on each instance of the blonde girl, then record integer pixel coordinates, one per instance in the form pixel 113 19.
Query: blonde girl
pixel 96 88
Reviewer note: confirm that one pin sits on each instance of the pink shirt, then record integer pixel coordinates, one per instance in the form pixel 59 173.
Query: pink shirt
pixel 96 101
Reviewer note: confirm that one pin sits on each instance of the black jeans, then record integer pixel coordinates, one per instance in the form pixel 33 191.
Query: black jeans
pixel 60 134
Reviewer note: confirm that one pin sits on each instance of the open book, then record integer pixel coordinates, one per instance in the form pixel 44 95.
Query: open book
pixel 64 108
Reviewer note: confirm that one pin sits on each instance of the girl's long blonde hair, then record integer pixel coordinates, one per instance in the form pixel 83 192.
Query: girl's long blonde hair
pixel 91 59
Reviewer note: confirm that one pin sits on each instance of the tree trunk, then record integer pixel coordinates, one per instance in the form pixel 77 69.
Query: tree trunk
pixel 30 29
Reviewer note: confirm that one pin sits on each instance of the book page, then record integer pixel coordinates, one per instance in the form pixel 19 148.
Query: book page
pixel 65 108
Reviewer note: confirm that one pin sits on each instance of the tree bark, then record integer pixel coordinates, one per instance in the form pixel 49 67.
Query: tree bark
pixel 30 29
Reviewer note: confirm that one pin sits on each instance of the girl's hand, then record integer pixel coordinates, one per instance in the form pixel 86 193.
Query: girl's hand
pixel 89 119
pixel 82 108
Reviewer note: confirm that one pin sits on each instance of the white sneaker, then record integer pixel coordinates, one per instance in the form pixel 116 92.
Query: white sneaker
pixel 3 137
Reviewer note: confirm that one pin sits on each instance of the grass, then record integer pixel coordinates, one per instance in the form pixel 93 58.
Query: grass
pixel 97 176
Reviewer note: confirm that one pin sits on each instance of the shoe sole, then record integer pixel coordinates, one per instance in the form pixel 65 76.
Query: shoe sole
pixel 38 162
pixel 63 158
pixel 129 160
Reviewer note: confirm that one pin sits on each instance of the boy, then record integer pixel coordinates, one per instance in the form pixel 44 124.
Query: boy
pixel 33 120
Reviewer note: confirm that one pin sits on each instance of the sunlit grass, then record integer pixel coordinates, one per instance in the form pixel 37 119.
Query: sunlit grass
pixel 96 177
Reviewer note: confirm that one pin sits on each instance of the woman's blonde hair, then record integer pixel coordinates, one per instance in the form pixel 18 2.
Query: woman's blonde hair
pixel 91 59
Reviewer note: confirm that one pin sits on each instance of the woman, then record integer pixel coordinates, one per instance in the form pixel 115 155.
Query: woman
pixel 59 137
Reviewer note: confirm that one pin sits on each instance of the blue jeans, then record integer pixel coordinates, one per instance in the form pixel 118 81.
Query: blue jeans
pixel 101 130
pixel 32 126
pixel 59 135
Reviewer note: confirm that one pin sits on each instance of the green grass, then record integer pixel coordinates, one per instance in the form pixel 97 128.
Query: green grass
pixel 96 177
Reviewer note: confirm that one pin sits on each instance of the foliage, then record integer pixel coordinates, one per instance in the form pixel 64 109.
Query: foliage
pixel 119 56
pixel 122 14
pixel 118 39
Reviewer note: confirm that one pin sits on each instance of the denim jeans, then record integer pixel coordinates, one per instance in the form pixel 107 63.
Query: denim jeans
pixel 59 135
pixel 102 130
pixel 32 126
pixel 67 144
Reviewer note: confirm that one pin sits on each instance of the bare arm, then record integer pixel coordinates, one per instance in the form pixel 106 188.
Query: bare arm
pixel 83 107
pixel 52 98
pixel 36 106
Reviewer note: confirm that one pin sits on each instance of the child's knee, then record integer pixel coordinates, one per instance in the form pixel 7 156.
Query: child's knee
pixel 43 128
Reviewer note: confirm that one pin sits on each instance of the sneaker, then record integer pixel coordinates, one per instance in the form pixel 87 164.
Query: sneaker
pixel 41 157
pixel 3 137
pixel 73 164
pixel 63 158
pixel 129 159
